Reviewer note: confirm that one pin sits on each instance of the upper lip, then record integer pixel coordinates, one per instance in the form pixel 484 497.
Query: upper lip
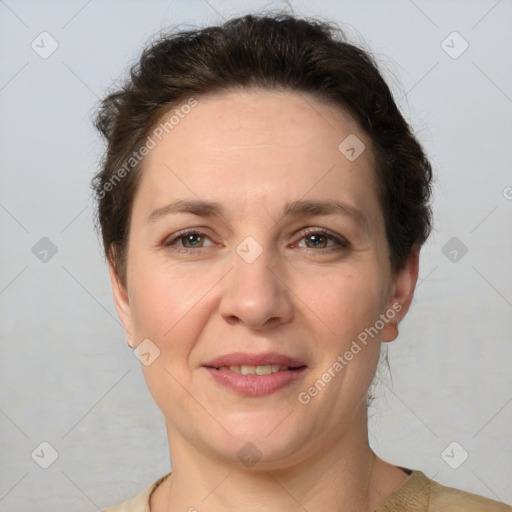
pixel 242 358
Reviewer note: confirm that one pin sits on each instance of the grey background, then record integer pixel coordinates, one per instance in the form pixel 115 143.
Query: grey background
pixel 66 374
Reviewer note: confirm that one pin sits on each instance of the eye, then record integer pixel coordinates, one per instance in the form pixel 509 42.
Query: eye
pixel 320 239
pixel 317 240
pixel 187 241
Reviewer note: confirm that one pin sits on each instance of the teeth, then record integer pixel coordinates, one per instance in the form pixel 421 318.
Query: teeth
pixel 263 370
pixel 247 370
pixel 256 370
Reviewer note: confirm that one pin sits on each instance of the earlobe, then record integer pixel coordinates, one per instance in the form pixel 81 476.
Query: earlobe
pixel 390 331
pixel 122 303
pixel 404 286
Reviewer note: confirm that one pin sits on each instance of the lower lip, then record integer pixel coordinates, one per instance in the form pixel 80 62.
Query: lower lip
pixel 256 385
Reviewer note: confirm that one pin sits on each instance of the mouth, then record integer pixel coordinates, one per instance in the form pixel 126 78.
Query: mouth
pixel 269 362
pixel 255 375
pixel 258 370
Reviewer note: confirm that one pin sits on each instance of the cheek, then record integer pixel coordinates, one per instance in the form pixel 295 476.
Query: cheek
pixel 166 304
pixel 344 302
pixel 169 309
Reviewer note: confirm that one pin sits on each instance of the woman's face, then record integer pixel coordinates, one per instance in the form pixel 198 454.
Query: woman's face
pixel 256 238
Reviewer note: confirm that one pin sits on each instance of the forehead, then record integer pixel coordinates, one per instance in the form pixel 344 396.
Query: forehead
pixel 260 119
pixel 262 145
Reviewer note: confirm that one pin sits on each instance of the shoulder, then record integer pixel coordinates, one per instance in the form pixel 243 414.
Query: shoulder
pixel 421 494
pixel 140 502
pixel 450 499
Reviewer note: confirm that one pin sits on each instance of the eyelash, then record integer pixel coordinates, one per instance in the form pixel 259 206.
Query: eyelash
pixel 341 242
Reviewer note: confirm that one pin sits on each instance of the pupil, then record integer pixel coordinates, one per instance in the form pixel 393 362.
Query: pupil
pixel 316 239
pixel 192 239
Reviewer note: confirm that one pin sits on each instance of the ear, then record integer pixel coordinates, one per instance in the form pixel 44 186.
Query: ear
pixel 402 294
pixel 121 300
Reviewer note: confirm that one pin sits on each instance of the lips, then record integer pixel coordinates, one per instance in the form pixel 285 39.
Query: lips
pixel 255 374
pixel 244 359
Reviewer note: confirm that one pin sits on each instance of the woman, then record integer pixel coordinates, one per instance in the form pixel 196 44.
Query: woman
pixel 262 204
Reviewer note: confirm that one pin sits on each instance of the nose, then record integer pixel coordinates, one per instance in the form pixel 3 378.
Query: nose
pixel 255 293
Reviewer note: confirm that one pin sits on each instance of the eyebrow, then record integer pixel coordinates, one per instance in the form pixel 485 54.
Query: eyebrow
pixel 300 208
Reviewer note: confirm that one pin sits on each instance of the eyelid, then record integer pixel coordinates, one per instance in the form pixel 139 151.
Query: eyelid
pixel 339 240
pixel 169 241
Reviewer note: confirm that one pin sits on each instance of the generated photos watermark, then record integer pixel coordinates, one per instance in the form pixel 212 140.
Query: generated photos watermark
pixel 151 142
pixel 337 366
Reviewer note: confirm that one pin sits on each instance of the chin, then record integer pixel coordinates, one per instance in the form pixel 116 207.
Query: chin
pixel 259 443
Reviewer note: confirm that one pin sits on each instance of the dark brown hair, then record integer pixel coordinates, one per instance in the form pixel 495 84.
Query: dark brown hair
pixel 273 52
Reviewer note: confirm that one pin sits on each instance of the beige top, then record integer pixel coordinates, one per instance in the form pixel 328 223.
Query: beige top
pixel 417 493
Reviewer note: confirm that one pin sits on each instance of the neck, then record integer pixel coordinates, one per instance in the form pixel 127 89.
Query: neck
pixel 345 475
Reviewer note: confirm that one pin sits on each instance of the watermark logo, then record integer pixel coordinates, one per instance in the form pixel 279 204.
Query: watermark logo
pixel 249 249
pixel 454 45
pixel 44 250
pixel 44 45
pixel 249 455
pixel 454 455
pixel 44 455
pixel 146 352
pixel 352 147
pixel 454 249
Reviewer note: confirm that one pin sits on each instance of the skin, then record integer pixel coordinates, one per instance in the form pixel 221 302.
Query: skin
pixel 252 151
